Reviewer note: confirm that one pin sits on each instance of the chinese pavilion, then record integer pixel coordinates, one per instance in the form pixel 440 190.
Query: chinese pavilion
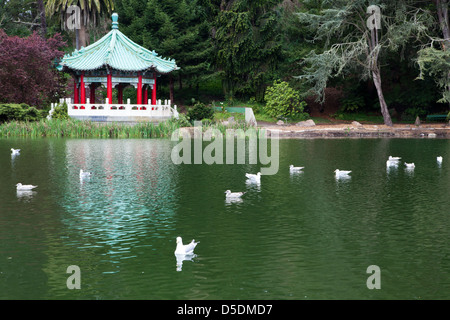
pixel 116 62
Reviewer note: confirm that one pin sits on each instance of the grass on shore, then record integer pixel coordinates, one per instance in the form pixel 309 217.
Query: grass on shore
pixel 72 128
pixel 85 129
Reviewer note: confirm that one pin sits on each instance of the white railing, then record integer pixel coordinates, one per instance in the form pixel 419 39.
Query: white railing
pixel 122 110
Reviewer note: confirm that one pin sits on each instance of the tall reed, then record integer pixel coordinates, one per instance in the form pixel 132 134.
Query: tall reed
pixel 73 128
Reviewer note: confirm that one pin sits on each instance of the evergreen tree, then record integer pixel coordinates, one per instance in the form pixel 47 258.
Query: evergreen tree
pixel 247 46
pixel 20 17
pixel 178 29
pixel 295 40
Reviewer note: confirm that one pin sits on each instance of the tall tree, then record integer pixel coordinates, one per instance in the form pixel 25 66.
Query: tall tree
pixel 247 45
pixel 178 29
pixel 91 12
pixel 22 17
pixel 294 39
pixel 434 57
pixel 356 36
pixel 41 9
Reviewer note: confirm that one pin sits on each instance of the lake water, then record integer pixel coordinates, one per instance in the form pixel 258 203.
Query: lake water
pixel 303 236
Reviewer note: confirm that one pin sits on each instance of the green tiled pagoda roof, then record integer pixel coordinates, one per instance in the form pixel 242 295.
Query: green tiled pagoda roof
pixel 118 52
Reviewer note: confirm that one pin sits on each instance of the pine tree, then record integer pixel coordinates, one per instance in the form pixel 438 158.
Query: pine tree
pixel 173 28
pixel 247 46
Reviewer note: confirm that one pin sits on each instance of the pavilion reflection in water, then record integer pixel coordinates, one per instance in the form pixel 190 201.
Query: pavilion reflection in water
pixel 132 192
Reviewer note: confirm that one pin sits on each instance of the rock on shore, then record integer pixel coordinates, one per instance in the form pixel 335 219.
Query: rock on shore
pixel 307 123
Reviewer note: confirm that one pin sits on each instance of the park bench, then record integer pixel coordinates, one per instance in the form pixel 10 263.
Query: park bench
pixel 437 117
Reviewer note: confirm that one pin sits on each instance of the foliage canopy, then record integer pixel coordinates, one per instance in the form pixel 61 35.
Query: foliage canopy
pixel 27 69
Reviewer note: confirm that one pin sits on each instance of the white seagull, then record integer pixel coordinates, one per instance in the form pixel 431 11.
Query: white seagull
pixel 341 173
pixel 24 187
pixel 185 249
pixel 230 194
pixel 409 165
pixel 15 151
pixel 439 159
pixel 391 158
pixel 84 174
pixel 292 168
pixel 254 177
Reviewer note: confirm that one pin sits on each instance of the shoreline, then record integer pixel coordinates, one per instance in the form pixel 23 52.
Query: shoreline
pixel 438 130
pixel 146 130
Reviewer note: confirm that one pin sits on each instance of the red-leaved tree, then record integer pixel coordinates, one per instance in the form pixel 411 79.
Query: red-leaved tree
pixel 27 69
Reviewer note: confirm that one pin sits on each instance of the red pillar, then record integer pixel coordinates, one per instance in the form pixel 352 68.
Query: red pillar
pixel 154 91
pixel 146 95
pixel 75 90
pixel 82 90
pixel 109 88
pixel 92 94
pixel 139 90
pixel 120 94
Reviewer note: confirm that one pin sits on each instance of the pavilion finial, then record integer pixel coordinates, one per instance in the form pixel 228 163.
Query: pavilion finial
pixel 115 18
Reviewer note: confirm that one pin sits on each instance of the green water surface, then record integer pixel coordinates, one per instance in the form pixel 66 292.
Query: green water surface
pixel 301 236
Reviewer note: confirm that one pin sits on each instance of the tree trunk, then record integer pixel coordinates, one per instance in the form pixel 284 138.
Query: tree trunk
pixel 171 88
pixel 42 18
pixel 82 33
pixel 384 109
pixel 442 12
pixel 376 75
pixel 77 39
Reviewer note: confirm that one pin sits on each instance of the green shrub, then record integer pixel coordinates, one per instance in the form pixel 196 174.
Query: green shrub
pixel 282 101
pixel 60 112
pixel 181 121
pixel 352 103
pixel 19 112
pixel 199 112
pixel 32 114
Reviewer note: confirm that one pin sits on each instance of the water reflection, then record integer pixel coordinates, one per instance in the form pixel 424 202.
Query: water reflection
pixel 409 170
pixel 84 179
pixel 118 226
pixel 343 178
pixel 253 184
pixel 229 201
pixel 294 173
pixel 391 166
pixel 392 163
pixel 183 257
pixel 25 195
pixel 130 194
